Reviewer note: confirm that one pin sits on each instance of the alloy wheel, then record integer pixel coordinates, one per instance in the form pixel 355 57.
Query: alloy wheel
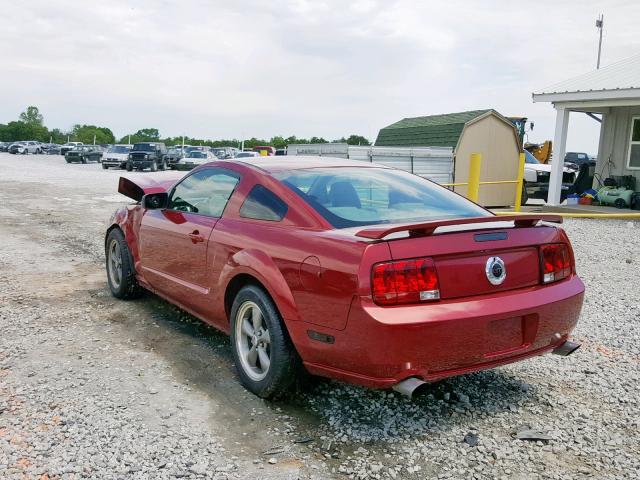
pixel 115 263
pixel 253 341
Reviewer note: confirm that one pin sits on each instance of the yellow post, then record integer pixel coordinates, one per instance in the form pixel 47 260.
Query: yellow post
pixel 519 183
pixel 474 177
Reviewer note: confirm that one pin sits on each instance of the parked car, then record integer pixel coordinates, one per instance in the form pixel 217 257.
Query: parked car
pixel 224 153
pixel 198 148
pixel 173 155
pixel 51 148
pixel 281 151
pixel 116 156
pixel 69 146
pixel 578 158
pixel 4 146
pixel 270 151
pixel 347 269
pixel 247 154
pixel 84 154
pixel 147 155
pixel 537 176
pixel 26 147
pixel 194 159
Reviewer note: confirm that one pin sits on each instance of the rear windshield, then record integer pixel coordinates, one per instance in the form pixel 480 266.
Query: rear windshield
pixel 355 196
pixel 197 154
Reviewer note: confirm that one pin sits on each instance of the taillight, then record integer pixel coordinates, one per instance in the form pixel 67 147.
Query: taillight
pixel 405 281
pixel 556 262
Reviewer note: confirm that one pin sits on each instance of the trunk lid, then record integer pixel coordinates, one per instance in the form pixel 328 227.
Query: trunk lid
pixel 463 251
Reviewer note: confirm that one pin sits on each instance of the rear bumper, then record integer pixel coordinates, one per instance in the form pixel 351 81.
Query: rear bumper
pixel 382 346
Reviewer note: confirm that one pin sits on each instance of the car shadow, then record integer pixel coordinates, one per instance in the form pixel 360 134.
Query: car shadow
pixel 201 357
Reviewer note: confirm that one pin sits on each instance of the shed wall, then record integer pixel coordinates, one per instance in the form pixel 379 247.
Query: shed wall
pixel 500 150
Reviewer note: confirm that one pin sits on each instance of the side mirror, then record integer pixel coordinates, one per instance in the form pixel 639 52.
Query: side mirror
pixel 155 201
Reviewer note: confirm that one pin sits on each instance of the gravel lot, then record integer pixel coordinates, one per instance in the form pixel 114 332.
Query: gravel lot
pixel 91 387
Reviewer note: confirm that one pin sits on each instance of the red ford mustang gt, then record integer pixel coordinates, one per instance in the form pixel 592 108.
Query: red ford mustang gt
pixel 347 269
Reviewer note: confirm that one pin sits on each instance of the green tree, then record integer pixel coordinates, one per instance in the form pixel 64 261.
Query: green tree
pixel 58 136
pixel 278 141
pixel 87 133
pixel 19 130
pixel 32 116
pixel 357 140
pixel 145 135
pixel 317 140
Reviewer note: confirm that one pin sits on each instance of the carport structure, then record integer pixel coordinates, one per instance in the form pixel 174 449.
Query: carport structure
pixel 614 93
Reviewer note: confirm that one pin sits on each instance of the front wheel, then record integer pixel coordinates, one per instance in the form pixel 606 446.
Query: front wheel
pixel 120 272
pixel 154 166
pixel 84 160
pixel 129 167
pixel 104 166
pixel 267 362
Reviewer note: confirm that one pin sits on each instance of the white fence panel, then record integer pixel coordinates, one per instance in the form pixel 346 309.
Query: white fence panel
pixel 434 163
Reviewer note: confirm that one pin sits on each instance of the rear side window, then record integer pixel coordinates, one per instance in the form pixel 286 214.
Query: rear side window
pixel 263 204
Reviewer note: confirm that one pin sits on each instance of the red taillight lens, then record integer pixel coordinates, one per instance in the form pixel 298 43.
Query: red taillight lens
pixel 556 262
pixel 405 281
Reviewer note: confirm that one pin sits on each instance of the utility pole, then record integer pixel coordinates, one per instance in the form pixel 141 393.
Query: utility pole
pixel 599 26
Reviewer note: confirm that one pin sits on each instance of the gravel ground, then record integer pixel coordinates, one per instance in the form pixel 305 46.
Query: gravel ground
pixel 91 387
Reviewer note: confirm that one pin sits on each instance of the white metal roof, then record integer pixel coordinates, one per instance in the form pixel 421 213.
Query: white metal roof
pixel 618 80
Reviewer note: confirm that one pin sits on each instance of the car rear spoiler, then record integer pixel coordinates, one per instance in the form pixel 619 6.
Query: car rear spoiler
pixel 427 228
pixel 141 186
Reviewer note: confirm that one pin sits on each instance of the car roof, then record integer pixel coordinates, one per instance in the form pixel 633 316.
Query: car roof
pixel 275 164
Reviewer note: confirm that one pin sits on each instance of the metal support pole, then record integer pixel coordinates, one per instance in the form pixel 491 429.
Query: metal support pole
pixel 557 160
pixel 519 183
pixel 474 177
pixel 599 26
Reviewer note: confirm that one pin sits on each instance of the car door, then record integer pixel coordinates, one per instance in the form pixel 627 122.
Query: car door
pixel 173 241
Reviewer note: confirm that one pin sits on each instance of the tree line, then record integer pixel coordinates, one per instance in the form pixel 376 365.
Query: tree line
pixel 30 126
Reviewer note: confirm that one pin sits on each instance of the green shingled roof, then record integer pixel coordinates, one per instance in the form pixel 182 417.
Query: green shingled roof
pixel 432 131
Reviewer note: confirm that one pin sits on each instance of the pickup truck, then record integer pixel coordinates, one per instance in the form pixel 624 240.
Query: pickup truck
pixel 536 179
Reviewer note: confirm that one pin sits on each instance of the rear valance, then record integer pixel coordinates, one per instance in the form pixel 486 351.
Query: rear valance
pixel 427 228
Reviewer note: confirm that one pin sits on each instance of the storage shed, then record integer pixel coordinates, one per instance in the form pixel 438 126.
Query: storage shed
pixel 478 131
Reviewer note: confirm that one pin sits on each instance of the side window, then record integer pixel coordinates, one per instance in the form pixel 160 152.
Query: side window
pixel 633 161
pixel 263 204
pixel 205 192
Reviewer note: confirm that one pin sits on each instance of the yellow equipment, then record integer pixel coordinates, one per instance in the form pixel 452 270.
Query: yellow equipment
pixel 542 151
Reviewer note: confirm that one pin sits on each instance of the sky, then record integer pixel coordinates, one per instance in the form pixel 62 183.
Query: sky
pixel 222 69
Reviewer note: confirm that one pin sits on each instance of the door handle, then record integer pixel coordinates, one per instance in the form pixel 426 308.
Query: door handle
pixel 196 237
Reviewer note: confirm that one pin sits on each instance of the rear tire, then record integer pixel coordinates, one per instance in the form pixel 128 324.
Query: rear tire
pixel 154 166
pixel 104 167
pixel 120 272
pixel 84 160
pixel 267 362
pixel 525 196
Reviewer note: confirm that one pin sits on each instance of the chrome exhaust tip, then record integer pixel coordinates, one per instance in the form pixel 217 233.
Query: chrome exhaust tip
pixel 408 386
pixel 566 349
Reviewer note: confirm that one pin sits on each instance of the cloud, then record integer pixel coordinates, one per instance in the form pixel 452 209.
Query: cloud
pixel 328 68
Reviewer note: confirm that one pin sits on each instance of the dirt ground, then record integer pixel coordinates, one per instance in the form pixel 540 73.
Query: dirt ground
pixel 93 387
